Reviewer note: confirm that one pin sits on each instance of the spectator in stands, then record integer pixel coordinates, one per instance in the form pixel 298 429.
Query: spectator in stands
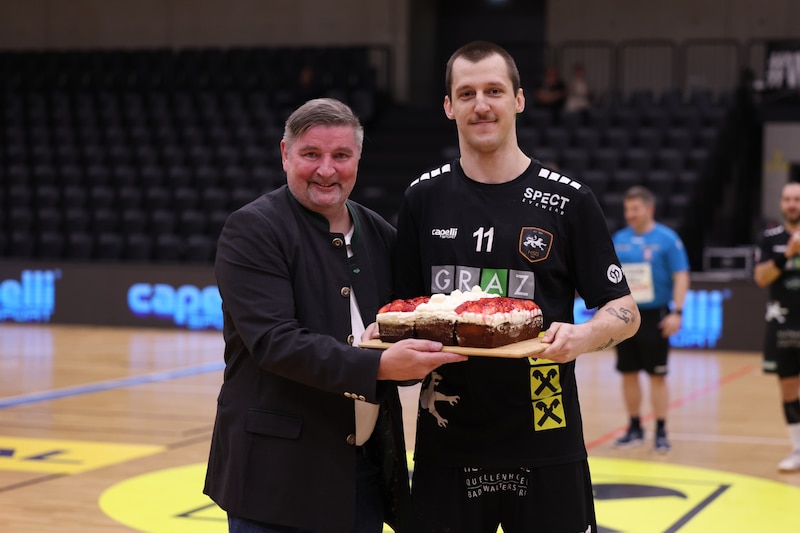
pixel 308 86
pixel 778 267
pixel 657 268
pixel 552 93
pixel 578 93
pixel 308 432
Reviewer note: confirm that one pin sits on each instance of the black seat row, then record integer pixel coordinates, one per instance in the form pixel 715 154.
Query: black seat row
pixel 86 246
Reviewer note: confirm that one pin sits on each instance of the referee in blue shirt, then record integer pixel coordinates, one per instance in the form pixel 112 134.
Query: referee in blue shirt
pixel 657 269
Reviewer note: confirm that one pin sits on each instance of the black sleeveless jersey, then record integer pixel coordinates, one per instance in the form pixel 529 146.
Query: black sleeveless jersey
pixel 541 236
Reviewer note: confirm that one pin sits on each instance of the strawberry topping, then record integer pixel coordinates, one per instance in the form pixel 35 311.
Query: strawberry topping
pixel 490 306
pixel 403 306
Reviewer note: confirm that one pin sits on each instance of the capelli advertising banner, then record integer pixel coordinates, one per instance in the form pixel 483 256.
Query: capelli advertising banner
pixel 724 315
pixel 717 315
pixel 173 296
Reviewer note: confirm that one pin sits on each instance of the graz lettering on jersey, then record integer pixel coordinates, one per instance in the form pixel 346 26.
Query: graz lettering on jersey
pixel 505 282
pixel 445 233
pixel 545 200
pixel 534 244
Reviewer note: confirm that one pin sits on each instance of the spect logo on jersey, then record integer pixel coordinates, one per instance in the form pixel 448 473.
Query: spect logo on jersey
pixel 702 318
pixel 545 200
pixel 187 306
pixel 512 283
pixel 32 298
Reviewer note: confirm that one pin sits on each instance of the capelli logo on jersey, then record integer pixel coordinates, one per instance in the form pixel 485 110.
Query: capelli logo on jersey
pixel 446 233
pixel 545 200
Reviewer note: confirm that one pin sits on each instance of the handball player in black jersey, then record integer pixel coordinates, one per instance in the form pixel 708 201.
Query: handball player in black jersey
pixel 500 441
pixel 779 268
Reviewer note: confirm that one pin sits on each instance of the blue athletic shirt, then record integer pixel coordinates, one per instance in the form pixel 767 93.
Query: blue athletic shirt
pixel 662 248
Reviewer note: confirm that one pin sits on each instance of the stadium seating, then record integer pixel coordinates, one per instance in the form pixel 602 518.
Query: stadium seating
pixel 140 155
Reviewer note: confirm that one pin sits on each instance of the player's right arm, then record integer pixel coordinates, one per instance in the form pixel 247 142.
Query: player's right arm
pixel 767 271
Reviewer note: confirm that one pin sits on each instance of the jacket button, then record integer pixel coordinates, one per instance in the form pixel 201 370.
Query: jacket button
pixel 350 340
pixel 360 397
pixel 351 439
pixel 345 292
pixel 348 394
pixel 338 242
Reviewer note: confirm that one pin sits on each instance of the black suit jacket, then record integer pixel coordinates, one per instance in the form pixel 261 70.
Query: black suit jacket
pixel 282 450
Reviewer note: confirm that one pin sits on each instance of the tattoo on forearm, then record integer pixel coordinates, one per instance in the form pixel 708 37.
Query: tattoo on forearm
pixel 608 344
pixel 623 313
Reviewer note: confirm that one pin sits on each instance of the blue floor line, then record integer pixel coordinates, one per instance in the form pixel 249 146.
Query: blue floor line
pixel 106 385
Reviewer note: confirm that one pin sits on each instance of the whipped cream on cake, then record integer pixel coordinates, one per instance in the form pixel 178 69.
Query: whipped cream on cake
pixel 464 318
pixel 396 319
pixel 490 323
pixel 443 305
pixel 500 311
pixel 436 319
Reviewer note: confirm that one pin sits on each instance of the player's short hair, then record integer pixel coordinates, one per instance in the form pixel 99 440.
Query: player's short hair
pixel 477 51
pixel 642 193
pixel 321 112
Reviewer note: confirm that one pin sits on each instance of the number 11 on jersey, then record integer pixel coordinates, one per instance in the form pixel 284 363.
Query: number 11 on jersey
pixel 482 234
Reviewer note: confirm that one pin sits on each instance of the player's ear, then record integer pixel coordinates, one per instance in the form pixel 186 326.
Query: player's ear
pixel 448 108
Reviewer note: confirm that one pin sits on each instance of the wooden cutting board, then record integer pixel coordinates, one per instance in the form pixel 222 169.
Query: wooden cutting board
pixel 528 348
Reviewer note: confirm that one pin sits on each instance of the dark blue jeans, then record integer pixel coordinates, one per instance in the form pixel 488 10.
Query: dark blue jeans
pixel 368 512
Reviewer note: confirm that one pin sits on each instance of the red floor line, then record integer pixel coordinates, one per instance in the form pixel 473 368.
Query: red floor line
pixel 678 403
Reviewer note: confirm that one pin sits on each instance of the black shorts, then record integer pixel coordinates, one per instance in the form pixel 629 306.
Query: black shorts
pixel 782 350
pixel 522 500
pixel 648 349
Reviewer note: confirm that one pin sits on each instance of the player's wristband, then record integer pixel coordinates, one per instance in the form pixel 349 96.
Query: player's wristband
pixel 779 260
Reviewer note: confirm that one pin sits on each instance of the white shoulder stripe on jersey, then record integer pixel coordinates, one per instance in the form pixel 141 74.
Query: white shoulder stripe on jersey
pixel 555 176
pixel 777 230
pixel 432 174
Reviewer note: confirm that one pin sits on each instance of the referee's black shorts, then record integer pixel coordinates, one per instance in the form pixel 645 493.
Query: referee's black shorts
pixel 648 349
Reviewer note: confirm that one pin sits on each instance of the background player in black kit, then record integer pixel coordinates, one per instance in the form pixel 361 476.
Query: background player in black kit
pixel 506 445
pixel 779 268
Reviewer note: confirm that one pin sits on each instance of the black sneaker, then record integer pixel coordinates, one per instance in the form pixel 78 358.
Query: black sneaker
pixel 632 437
pixel 662 443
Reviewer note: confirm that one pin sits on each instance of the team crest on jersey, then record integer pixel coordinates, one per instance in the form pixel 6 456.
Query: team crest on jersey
pixel 534 244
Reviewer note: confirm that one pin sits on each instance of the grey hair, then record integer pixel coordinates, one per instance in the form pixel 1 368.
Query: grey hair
pixel 321 112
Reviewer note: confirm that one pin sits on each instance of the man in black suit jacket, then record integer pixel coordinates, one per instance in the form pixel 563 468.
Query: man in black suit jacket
pixel 308 434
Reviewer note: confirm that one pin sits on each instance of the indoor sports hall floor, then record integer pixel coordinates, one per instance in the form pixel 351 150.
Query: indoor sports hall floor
pixel 107 430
